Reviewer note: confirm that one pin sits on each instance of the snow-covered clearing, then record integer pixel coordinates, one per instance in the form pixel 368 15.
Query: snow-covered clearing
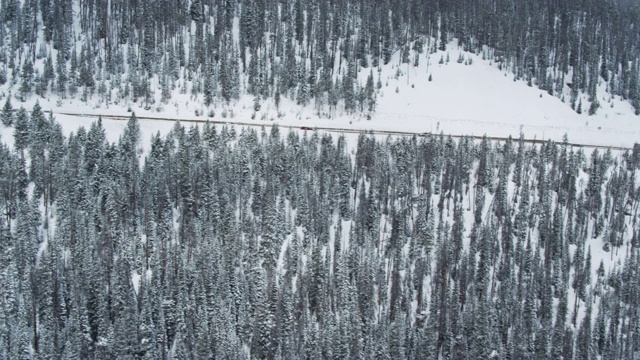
pixel 474 97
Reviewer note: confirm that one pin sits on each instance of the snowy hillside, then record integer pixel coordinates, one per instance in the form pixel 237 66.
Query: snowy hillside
pixel 333 65
pixel 473 97
pixel 347 179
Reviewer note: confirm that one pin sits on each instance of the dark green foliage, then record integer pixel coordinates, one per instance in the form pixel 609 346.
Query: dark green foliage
pixel 130 51
pixel 579 108
pixel 26 84
pixel 231 243
pixel 7 112
pixel 593 107
pixel 21 129
pixel 200 251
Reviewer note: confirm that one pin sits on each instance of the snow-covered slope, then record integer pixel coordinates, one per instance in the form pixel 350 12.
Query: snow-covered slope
pixel 481 99
pixel 472 97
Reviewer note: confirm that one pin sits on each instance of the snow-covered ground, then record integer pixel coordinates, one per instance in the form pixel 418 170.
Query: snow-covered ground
pixel 480 99
pixel 474 97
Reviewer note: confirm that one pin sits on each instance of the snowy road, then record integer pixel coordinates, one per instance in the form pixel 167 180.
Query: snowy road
pixel 355 130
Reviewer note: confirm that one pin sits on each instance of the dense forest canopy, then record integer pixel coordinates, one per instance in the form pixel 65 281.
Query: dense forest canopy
pixel 308 51
pixel 239 243
pixel 246 243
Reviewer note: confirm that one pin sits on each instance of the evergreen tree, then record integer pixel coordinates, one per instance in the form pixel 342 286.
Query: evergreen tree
pixel 21 130
pixel 228 243
pixel 7 112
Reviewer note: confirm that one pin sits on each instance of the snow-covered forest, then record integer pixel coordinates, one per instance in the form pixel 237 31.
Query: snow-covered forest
pixel 227 242
pixel 236 243
pixel 322 54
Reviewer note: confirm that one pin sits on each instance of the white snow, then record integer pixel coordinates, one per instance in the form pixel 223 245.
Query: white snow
pixel 474 99
pixel 462 99
pixel 135 280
